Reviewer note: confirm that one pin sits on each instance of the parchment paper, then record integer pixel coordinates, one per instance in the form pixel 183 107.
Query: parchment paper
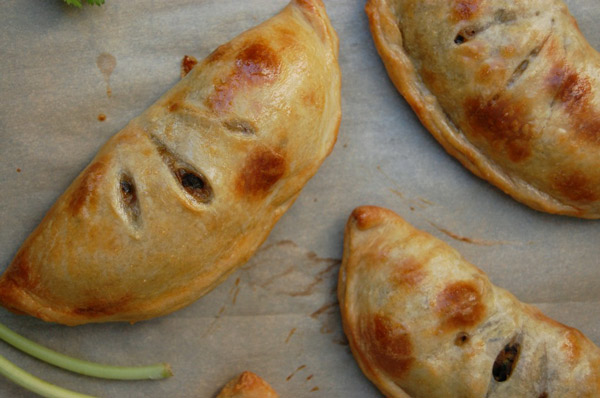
pixel 278 315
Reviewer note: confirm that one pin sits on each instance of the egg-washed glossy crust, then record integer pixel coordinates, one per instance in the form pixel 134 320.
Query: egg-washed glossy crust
pixel 248 385
pixel 509 88
pixel 424 323
pixel 187 191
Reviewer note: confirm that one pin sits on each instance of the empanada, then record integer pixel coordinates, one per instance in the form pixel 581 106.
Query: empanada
pixel 509 88
pixel 424 323
pixel 187 191
pixel 248 385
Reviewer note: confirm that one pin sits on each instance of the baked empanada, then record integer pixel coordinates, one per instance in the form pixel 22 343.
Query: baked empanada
pixel 424 323
pixel 248 385
pixel 509 88
pixel 187 191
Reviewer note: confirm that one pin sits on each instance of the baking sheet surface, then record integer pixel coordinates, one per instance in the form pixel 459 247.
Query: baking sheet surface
pixel 278 315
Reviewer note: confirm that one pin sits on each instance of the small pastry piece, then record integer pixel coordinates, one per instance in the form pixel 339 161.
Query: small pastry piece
pixel 187 191
pixel 424 323
pixel 248 385
pixel 509 88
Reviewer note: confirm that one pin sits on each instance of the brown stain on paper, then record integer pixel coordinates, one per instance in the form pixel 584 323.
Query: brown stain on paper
pixel 300 291
pixel 287 340
pixel 473 241
pixel 107 64
pixel 294 372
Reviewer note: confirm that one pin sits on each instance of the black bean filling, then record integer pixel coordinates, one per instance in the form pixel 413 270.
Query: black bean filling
pixel 129 197
pixel 506 361
pixel 192 181
pixel 194 184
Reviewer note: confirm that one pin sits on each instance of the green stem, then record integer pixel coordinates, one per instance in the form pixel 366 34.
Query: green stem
pixel 157 371
pixel 32 383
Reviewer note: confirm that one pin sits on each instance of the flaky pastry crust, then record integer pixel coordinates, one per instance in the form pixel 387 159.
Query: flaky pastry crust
pixel 187 191
pixel 509 88
pixel 424 323
pixel 248 385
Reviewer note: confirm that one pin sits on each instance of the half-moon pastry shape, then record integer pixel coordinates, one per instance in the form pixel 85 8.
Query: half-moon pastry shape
pixel 424 323
pixel 187 191
pixel 248 385
pixel 509 88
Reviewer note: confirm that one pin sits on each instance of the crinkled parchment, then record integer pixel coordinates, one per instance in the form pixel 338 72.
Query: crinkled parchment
pixel 278 315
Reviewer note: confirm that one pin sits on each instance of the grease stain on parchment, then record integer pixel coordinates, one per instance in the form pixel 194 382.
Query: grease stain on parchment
pixel 294 372
pixel 420 203
pixel 106 63
pixel 287 340
pixel 300 278
pixel 473 241
pixel 295 280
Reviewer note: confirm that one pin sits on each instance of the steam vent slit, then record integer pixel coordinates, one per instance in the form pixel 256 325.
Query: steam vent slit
pixel 506 362
pixel 129 198
pixel 193 182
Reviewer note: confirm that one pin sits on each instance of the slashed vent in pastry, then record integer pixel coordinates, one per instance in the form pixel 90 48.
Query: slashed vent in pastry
pixel 187 191
pixel 248 385
pixel 424 323
pixel 509 88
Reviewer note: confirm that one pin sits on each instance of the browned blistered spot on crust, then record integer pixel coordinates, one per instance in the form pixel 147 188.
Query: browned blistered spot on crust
pixel 306 4
pixel 187 64
pixel 388 343
pixel 255 64
pixel 574 93
pixel 465 9
pixel 21 273
pixel 86 188
pixel 262 169
pixel 409 272
pixel 569 87
pixel 218 53
pixel 503 123
pixel 367 217
pixel 460 305
pixel 102 307
pixel 575 186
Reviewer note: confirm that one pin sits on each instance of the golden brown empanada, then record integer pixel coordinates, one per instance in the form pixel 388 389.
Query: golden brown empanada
pixel 248 385
pixel 187 191
pixel 424 323
pixel 509 88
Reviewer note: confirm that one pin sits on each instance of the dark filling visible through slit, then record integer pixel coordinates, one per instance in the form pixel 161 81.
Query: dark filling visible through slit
pixel 501 16
pixel 194 184
pixel 192 181
pixel 129 197
pixel 506 361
